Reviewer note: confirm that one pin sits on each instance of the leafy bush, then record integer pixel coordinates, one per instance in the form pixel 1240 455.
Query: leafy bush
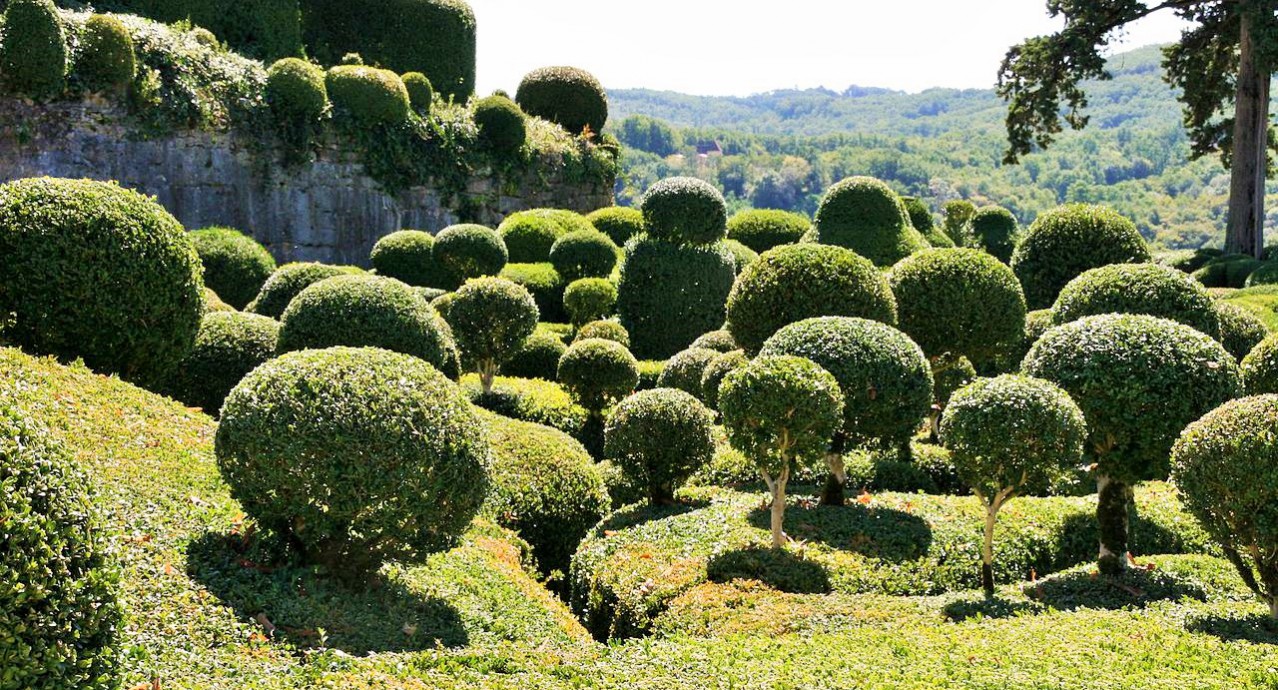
pixel 685 369
pixel 530 400
pixel 606 329
pixel 961 301
pixel 796 282
pixel 1260 368
pixel 590 299
pixel 421 95
pixel 921 219
pixel 584 254
pixel 537 358
pixel 742 256
pixel 502 128
pixel 866 216
pixel 1240 330
pixel 720 340
pixel 712 376
pixel 296 90
pixel 619 223
pixel 264 29
pixel 491 318
pixel 468 251
pixel 763 229
pixel 235 265
pixel 229 346
pixel 669 294
pixel 1228 271
pixel 106 59
pixel 650 373
pixel 529 235
pixel 1069 240
pixel 659 438
pixel 288 281
pixel 568 96
pixel 957 214
pixel 544 283
pixel 92 270
pixel 1138 289
pixel 213 303
pixel 368 95
pixel 33 49
pixel 995 231
pixel 408 256
pixel 1265 274
pixel 598 373
pixel 59 606
pixel 395 460
pixel 684 210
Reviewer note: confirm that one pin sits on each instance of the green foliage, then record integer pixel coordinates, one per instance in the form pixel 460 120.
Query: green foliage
pixel 468 251
pixel 263 29
pixel 1240 330
pixel 1228 271
pixel 288 281
pixel 33 49
pixel 105 60
pixel 598 372
pixel 619 223
pixel 1187 260
pixel 684 210
pixel 501 124
pixel 537 358
pixel 684 370
pixel 370 96
pixel 408 256
pixel 590 299
pixel 742 256
pixel 949 373
pixel 995 230
pixel 669 294
pixel 607 329
pixel 1265 274
pixel 922 220
pixel 961 301
pixel 529 235
pixel 584 254
pixel 1260 368
pixel 228 346
pixel 213 303
pixel 297 93
pixel 491 318
pixel 235 265
pixel 59 597
pixel 395 460
pixel 1138 289
pixel 796 282
pixel 530 400
pixel 659 438
pixel 421 95
pixel 864 214
pixel 957 214
pixel 712 376
pixel 762 229
pixel 1066 242
pixel 567 96
pixel 544 283
pixel 720 341
pixel 92 270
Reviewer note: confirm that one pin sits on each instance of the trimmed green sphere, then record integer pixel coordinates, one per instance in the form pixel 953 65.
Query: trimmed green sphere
pixel 1260 368
pixel 106 59
pixel 669 294
pixel 684 370
pixel 763 229
pixel 1241 330
pixel 502 128
pixel 544 283
pixel 685 210
pixel 606 329
pixel 1138 289
pixel 619 223
pixel 408 256
pixel 1069 240
pixel 537 358
pixel 296 90
pixel 590 299
pixel 288 281
pixel 469 251
pixel 659 438
pixel 570 97
pixel 236 266
pixel 864 214
pixel 529 235
pixel 491 318
pixel 995 231
pixel 598 372
pixel 368 95
pixel 33 52
pixel 719 340
pixel 421 95
pixel 228 347
pixel 712 376
pixel 584 254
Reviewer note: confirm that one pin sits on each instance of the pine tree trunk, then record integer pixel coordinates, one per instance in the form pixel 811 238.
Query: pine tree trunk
pixel 1111 518
pixel 1245 231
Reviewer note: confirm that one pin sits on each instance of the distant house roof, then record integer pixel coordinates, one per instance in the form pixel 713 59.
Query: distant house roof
pixel 707 148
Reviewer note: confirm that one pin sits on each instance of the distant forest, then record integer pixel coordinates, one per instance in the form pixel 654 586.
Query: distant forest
pixel 782 149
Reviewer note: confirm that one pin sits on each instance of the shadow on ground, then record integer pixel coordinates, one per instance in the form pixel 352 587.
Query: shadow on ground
pixel 779 569
pixel 872 531
pixel 1257 629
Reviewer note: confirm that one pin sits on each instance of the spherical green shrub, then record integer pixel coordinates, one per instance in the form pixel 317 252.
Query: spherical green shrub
pixel 685 369
pixel 229 346
pixel 491 318
pixel 1260 368
pixel 394 458
pixel 962 301
pixel 1265 274
pixel 763 229
pixel 92 270
pixel 296 91
pixel 544 283
pixel 408 256
pixel 213 303
pixel 684 210
pixel 1240 329
pixel 584 254
pixel 800 281
pixel 364 311
pixel 995 231
pixel 598 372
pixel 866 216
pixel 567 96
pixel 502 128
pixel 605 329
pixel 669 294
pixel 59 606
pixel 720 366
pixel 659 438
pixel 949 373
pixel 619 223
pixel 742 256
pixel 33 49
pixel 921 219
pixel 1068 240
pixel 468 251
pixel 106 59
pixel 529 235
pixel 1226 467
pixel 288 281
pixel 537 358
pixel 720 341
pixel 421 95
pixel 590 299
pixel 236 266
pixel 368 95
pixel 1138 289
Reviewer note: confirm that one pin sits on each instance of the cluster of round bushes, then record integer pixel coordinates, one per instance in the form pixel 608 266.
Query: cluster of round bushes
pixel 685 370
pixel 567 96
pixel 921 219
pixel 763 229
pixel 501 124
pixel 619 223
pixel 864 214
pixel 288 281
pixel 1067 241
pixel 228 346
pixel 235 265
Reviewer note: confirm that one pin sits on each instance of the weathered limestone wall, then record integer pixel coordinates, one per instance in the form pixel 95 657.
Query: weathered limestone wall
pixel 326 211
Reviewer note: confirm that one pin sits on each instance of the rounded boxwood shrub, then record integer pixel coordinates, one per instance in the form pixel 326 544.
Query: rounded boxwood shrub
pixel 229 346
pixel 763 229
pixel 584 254
pixel 742 256
pixel 529 235
pixel 1069 240
pixel 570 97
pixel 864 214
pixel 685 369
pixel 1260 368
pixel 395 458
pixel 921 219
pixel 236 266
pixel 531 400
pixel 491 318
pixel 92 270
pixel 1226 467
pixel 468 251
pixel 962 301
pixel 213 303
pixel 619 223
pixel 669 294
pixel 421 95
pixel 684 210
pixel 364 311
pixel 501 124
pixel 598 372
pixel 1240 329
pixel 59 601
pixel 606 329
pixel 995 231
pixel 712 376
pixel 1228 271
pixel 1265 274
pixel 537 358
pixel 720 341
pixel 296 91
pixel 544 283
pixel 659 438
pixel 288 281
pixel 33 48
pixel 590 299
pixel 1138 289
pixel 800 281
pixel 408 256
pixel 106 59
pixel 368 95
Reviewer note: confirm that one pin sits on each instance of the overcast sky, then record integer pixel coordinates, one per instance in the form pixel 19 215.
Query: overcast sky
pixel 750 46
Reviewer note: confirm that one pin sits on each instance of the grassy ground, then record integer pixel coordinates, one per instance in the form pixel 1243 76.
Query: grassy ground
pixel 1261 300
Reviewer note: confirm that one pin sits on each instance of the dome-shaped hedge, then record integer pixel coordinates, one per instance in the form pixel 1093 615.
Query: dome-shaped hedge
pixel 296 91
pixel 864 214
pixel 106 59
pixel 368 95
pixel 685 369
pixel 33 52
pixel 719 340
pixel 598 372
pixel 421 95
pixel 567 96
pixel 408 256
pixel 1260 368
pixel 92 270
pixel 59 609
pixel 669 294
pixel 742 256
pixel 659 438
pixel 229 346
pixel 795 282
pixel 763 229
pixel 491 318
pixel 288 281
pixel 962 301
pixel 684 210
pixel 544 283
pixel 529 235
pixel 619 223
pixel 1241 330
pixel 584 254
pixel 1265 274
pixel 537 358
pixel 995 230
pixel 1069 240
pixel 394 458
pixel 364 311
pixel 469 251
pixel 606 329
pixel 719 367
pixel 922 220
pixel 235 265
pixel 590 299
pixel 1138 289
pixel 501 124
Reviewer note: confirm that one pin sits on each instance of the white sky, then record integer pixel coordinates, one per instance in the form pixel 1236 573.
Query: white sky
pixel 751 46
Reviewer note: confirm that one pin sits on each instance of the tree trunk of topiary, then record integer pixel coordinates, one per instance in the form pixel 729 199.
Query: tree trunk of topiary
pixel 832 494
pixel 1273 607
pixel 487 372
pixel 1112 497
pixel 661 494
pixel 779 537
pixel 987 551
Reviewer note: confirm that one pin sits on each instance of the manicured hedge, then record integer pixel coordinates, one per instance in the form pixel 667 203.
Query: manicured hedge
pixel 620 223
pixel 590 299
pixel 263 29
pixel 235 265
pixel 720 340
pixel 1138 289
pixel 598 373
pixel 544 283
pixel 228 347
pixel 468 251
pixel 658 439
pixel 684 210
pixel 763 229
pixel 501 124
pixel 866 216
pixel 408 256
pixel 1260 368
pixel 537 358
pixel 584 254
pixel 296 90
pixel 368 95
pixel 1240 329
pixel 421 95
pixel 530 400
pixel 1069 240
pixel 669 294
pixel 106 59
pixel 684 370
pixel 288 281
pixel 33 52
pixel 529 235
pixel 568 96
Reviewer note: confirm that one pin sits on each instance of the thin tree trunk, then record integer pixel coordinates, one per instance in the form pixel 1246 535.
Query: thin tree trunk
pixel 487 372
pixel 1245 230
pixel 779 538
pixel 1111 518
pixel 987 549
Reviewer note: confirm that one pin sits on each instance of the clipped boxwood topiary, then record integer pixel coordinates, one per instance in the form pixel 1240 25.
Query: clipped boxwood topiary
pixel 1138 289
pixel 796 282
pixel 421 95
pixel 1139 380
pixel 619 223
pixel 33 49
pixel 468 251
pixel 530 400
pixel 961 301
pixel 1260 368
pixel 106 59
pixel 368 95
pixel 684 210
pixel 864 214
pixel 669 294
pixel 763 229
pixel 720 366
pixel 598 373
pixel 1265 274
pixel 1228 271
pixel 501 124
pixel 584 254
pixel 491 318
pixel 235 265
pixel 1069 240
pixel 92 270
pixel 394 458
pixel 288 281
pixel 529 235
pixel 659 438
pixel 213 303
pixel 544 283
pixel 537 358
pixel 742 256
pixel 685 369
pixel 995 230
pixel 1226 467
pixel 570 97
pixel 296 91
pixel 606 329
pixel 921 219
pixel 1240 329
pixel 408 256
pixel 229 346
pixel 590 299
pixel 720 340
